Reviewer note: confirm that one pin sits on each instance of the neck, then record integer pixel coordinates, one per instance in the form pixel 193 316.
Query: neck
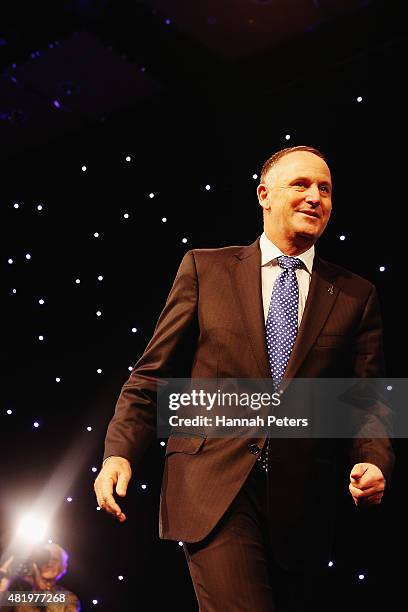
pixel 291 247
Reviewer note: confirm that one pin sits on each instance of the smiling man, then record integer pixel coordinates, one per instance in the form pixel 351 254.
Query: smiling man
pixel 295 194
pixel 255 515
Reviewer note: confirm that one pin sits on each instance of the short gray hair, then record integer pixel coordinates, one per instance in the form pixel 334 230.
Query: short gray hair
pixel 273 160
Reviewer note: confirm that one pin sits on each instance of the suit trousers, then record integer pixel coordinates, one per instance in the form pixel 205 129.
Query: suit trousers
pixel 232 569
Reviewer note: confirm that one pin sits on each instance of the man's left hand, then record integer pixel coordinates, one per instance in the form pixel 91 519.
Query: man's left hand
pixel 367 484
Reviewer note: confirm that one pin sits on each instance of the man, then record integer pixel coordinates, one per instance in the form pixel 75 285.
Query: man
pixel 44 578
pixel 269 309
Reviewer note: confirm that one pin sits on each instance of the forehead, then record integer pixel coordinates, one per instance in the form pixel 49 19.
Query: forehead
pixel 300 164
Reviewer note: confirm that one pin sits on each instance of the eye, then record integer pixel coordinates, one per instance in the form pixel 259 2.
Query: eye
pixel 325 188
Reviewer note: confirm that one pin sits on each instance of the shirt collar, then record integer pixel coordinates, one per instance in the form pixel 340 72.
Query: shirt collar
pixel 270 251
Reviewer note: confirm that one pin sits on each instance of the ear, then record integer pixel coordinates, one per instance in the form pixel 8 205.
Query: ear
pixel 263 192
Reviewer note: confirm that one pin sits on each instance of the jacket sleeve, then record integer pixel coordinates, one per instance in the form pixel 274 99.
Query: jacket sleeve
pixel 369 363
pixel 169 354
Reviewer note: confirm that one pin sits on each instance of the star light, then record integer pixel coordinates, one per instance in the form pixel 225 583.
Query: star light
pixel 287 137
pixel 83 168
pixel 164 219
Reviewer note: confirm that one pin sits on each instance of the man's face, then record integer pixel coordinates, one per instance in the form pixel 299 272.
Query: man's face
pixel 296 198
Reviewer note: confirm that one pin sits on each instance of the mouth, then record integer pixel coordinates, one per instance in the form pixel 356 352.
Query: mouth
pixel 310 213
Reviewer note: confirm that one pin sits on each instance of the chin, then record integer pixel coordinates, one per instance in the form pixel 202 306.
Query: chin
pixel 306 234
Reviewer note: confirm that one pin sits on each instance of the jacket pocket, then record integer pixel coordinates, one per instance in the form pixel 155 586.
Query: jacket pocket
pixel 180 444
pixel 331 341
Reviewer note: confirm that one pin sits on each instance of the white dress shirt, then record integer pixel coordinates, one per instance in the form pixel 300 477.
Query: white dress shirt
pixel 270 270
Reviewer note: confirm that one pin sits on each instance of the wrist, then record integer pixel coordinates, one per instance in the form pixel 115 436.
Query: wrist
pixel 115 457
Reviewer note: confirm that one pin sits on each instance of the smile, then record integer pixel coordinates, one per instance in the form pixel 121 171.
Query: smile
pixel 310 213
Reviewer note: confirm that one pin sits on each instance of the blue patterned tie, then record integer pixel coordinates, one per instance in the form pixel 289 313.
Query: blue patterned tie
pixel 281 326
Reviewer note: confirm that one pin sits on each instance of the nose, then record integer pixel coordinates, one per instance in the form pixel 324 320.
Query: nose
pixel 313 195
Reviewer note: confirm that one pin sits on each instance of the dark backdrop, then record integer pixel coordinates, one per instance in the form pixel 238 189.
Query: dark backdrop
pixel 214 123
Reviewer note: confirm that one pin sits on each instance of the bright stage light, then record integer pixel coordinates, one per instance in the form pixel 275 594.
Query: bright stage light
pixel 31 529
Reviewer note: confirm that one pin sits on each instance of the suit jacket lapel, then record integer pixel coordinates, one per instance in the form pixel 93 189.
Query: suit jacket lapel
pixel 320 300
pixel 247 285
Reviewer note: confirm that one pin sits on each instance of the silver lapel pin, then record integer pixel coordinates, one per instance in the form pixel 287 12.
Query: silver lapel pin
pixel 330 289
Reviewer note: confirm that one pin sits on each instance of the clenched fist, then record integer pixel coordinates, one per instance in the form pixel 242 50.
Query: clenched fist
pixel 367 484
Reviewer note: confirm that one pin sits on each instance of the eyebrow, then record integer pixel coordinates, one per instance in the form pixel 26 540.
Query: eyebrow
pixel 306 178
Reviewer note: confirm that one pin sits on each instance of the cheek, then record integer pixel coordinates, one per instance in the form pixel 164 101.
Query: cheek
pixel 327 207
pixel 327 212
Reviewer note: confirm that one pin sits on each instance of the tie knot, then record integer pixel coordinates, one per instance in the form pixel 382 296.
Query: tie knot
pixel 289 263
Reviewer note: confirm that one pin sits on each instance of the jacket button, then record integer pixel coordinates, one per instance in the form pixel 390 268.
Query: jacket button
pixel 254 449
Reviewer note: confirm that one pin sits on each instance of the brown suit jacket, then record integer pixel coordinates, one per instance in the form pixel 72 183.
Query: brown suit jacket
pixel 212 326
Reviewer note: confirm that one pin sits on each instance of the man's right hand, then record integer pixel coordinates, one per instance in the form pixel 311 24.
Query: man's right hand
pixel 115 471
